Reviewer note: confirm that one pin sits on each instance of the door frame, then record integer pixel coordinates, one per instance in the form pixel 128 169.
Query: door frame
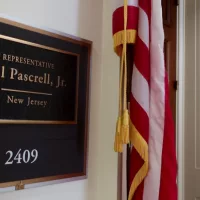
pixel 180 102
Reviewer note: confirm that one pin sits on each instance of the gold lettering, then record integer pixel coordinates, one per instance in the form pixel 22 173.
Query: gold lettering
pixel 45 103
pixel 32 62
pixel 13 73
pixel 9 99
pixel 20 101
pixel 3 72
pixel 13 58
pixel 37 62
pixel 21 59
pixel 12 99
pixel 32 102
pixel 43 64
pixel 4 57
pixel 37 102
pixel 45 77
pixel 17 59
pixel 36 77
pixel 9 57
pixel 63 83
pixel 40 64
pixel 24 60
pixel 20 77
pixel 29 78
pixel 48 65
pixel 48 79
pixel 41 79
pixel 25 77
pixel 28 61
pixel 58 82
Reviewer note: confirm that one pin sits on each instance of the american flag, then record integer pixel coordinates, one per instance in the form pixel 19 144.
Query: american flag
pixel 153 166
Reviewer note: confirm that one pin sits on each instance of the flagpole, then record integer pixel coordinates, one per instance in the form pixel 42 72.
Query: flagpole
pixel 126 154
pixel 130 53
pixel 119 177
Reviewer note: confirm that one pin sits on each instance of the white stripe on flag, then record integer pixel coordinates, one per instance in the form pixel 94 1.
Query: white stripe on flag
pixel 157 104
pixel 120 3
pixel 140 89
pixel 143 30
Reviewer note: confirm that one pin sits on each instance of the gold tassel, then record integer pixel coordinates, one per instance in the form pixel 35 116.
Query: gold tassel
pixel 125 136
pixel 118 146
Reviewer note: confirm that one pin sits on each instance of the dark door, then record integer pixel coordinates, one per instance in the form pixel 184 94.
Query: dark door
pixel 169 23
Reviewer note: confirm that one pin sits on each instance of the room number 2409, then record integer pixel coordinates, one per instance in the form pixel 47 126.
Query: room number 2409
pixel 22 157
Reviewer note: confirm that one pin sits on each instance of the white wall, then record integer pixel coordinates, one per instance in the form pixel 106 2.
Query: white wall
pixel 89 19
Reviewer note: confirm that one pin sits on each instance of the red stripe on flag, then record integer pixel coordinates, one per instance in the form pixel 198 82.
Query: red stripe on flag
pixel 139 118
pixel 118 19
pixel 136 163
pixel 142 59
pixel 168 187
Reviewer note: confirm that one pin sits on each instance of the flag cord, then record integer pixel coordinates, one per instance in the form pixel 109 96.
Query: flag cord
pixel 122 127
pixel 125 114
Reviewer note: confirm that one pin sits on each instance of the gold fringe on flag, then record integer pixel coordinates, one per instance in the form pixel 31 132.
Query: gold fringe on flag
pixel 118 39
pixel 141 146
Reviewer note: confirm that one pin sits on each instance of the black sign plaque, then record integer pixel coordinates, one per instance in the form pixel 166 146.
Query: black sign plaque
pixel 44 80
